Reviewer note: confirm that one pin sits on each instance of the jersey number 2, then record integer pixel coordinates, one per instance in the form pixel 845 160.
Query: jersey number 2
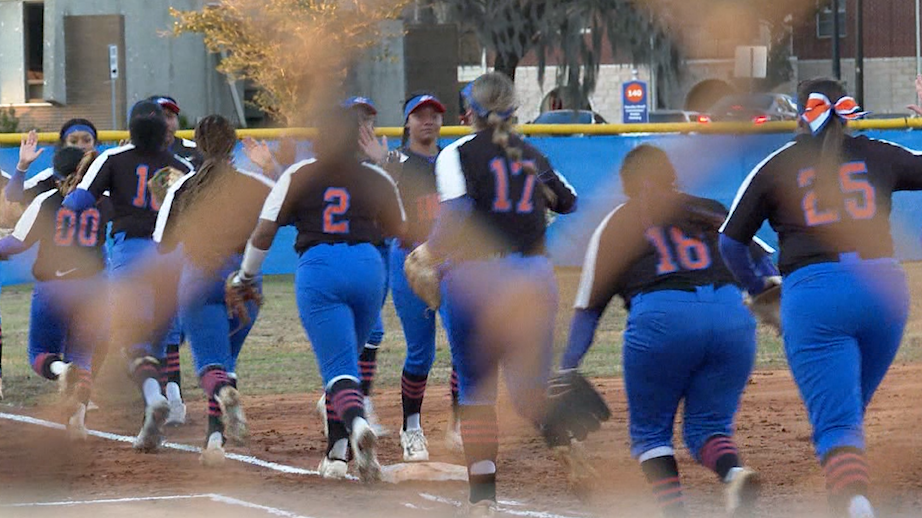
pixel 860 204
pixel 692 253
pixel 502 203
pixel 85 229
pixel 336 203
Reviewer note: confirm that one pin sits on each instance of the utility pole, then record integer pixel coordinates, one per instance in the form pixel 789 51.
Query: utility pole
pixel 859 51
pixel 836 58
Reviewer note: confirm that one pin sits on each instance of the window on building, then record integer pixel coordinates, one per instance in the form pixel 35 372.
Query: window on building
pixel 34 30
pixel 824 21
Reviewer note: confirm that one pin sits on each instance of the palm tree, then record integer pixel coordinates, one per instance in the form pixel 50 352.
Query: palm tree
pixel 573 32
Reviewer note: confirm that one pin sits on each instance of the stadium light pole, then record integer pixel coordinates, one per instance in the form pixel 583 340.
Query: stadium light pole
pixel 918 40
pixel 836 61
pixel 859 51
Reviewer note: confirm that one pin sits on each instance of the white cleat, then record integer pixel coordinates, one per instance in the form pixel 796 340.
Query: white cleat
pixel 860 507
pixel 235 421
pixel 213 455
pixel 151 435
pixel 333 469
pixel 76 425
pixel 322 412
pixel 91 407
pixel 415 446
pixel 453 440
pixel 372 419
pixel 177 415
pixel 743 492
pixel 363 441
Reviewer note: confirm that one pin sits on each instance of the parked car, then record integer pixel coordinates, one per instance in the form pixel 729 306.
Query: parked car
pixel 569 117
pixel 678 116
pixel 758 108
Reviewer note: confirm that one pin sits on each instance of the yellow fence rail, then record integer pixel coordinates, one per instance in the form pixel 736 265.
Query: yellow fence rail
pixel 727 128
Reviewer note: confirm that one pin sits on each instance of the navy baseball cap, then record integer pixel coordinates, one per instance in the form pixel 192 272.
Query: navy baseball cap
pixel 145 108
pixel 419 101
pixel 364 102
pixel 166 102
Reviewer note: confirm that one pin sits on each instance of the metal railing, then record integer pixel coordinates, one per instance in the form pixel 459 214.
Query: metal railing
pixel 725 128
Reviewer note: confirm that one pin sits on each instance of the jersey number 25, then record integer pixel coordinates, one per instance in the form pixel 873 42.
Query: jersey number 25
pixel 692 253
pixel 859 202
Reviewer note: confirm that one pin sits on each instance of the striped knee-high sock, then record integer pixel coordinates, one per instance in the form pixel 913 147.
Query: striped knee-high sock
pixel 172 371
pixel 338 437
pixel 368 364
pixel 846 477
pixel 480 434
pixel 663 475
pixel 348 402
pixel 83 386
pixel 455 393
pixel 162 375
pixel 42 365
pixel 719 454
pixel 212 380
pixel 412 391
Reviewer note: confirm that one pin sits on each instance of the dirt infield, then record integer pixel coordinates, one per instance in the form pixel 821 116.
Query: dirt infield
pixel 38 465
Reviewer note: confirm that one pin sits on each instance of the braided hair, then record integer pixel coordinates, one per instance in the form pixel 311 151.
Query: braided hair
pixel 492 99
pixel 215 137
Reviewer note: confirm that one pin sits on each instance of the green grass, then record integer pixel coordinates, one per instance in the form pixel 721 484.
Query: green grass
pixel 277 357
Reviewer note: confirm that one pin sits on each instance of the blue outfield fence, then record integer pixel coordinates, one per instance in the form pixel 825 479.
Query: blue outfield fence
pixel 708 165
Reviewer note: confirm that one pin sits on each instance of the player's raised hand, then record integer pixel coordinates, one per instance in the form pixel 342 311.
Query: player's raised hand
pixel 373 149
pixel 258 153
pixel 28 151
pixel 916 108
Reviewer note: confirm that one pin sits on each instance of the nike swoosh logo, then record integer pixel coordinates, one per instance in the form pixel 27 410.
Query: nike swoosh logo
pixel 59 273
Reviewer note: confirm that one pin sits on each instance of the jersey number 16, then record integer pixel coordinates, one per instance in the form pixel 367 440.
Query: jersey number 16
pixel 692 253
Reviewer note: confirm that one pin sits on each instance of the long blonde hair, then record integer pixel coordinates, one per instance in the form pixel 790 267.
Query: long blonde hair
pixel 492 100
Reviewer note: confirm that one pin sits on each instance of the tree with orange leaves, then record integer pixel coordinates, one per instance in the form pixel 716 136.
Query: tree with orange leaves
pixel 297 51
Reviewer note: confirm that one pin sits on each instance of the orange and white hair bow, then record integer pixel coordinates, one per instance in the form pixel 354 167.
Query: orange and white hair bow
pixel 819 109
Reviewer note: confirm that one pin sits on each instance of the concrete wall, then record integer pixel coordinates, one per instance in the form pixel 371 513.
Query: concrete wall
pixel 154 62
pixel 381 76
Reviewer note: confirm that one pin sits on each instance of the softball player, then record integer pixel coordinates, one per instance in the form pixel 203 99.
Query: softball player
pixel 210 214
pixel 340 206
pixel 494 189
pixel 69 262
pixel 688 335
pixel 414 171
pixel 170 375
pixel 844 300
pixel 375 152
pixel 79 133
pixel 124 171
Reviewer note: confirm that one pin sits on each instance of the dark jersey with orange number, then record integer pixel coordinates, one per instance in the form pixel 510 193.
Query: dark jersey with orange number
pixel 71 243
pixel 124 172
pixel 669 243
pixel 415 177
pixel 509 203
pixel 820 213
pixel 347 202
